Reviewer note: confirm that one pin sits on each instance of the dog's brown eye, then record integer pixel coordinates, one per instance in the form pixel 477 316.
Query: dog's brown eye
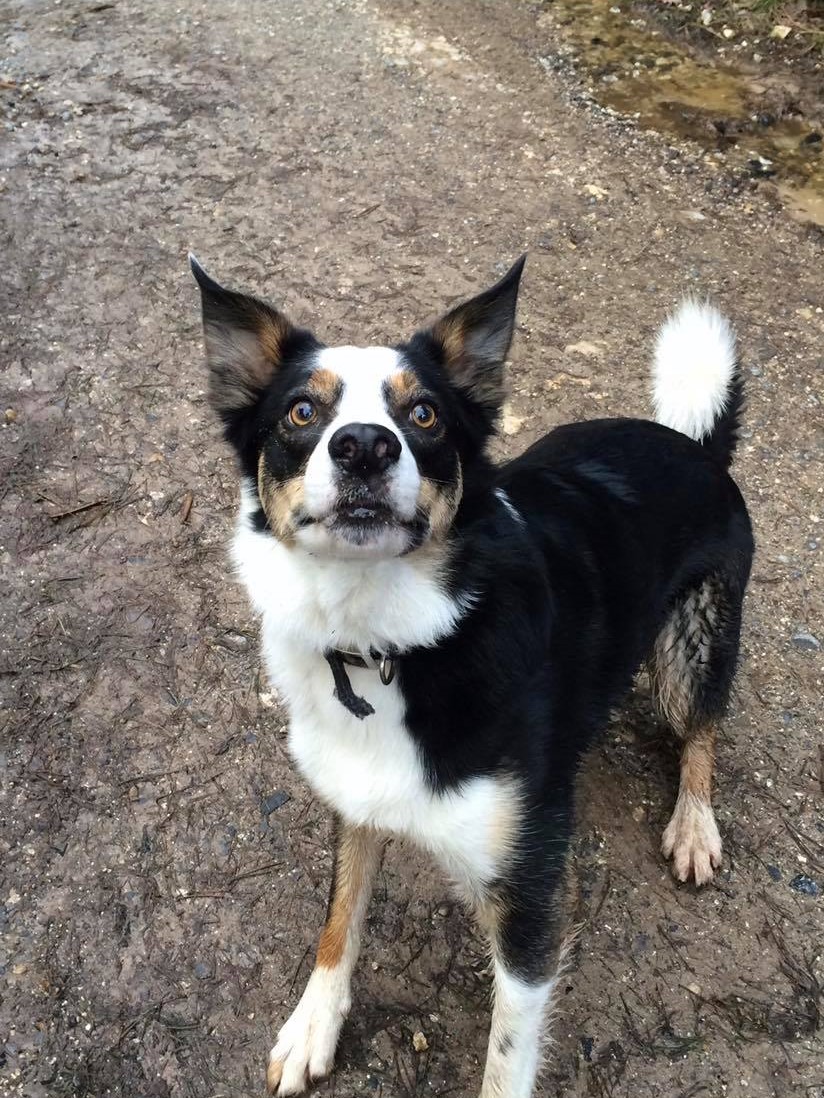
pixel 302 413
pixel 424 415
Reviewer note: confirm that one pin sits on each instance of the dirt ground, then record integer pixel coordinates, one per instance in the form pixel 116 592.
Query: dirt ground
pixel 164 871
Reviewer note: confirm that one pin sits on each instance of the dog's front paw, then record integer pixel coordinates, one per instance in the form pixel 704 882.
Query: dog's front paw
pixel 691 839
pixel 305 1048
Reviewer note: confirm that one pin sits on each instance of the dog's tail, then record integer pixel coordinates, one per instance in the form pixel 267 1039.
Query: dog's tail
pixel 696 381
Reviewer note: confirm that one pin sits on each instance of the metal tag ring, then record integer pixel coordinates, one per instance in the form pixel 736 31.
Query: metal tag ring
pixel 387 670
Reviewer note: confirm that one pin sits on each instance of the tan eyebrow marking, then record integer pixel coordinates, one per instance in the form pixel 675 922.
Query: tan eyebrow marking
pixel 402 387
pixel 325 385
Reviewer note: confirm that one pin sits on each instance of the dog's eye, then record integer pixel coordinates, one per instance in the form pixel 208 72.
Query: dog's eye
pixel 424 415
pixel 302 413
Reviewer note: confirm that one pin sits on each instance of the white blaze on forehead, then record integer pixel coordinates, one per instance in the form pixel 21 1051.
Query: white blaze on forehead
pixel 363 372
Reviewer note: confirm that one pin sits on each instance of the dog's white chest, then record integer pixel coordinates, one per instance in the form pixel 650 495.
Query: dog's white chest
pixel 370 771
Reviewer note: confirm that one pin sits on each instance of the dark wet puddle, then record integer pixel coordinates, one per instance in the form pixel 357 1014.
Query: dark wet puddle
pixel 750 118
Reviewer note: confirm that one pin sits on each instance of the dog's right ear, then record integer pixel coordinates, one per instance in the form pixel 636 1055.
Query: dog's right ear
pixel 244 340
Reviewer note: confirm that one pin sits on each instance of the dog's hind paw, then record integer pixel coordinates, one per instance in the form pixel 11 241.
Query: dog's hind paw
pixel 691 839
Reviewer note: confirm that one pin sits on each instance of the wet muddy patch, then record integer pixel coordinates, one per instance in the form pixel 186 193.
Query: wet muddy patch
pixel 756 121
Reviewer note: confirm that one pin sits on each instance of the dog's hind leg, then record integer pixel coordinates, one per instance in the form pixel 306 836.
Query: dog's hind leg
pixel 305 1047
pixel 691 672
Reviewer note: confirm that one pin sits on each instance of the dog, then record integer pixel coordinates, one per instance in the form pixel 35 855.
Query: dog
pixel 450 635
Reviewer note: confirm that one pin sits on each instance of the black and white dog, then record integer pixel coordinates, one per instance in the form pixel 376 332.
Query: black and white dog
pixel 450 635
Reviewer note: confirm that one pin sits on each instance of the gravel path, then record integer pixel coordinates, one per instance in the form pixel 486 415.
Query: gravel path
pixel 164 872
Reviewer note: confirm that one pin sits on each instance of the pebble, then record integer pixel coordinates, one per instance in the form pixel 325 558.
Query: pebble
pixel 202 971
pixel 419 1042
pixel 805 642
pixel 802 883
pixel 774 872
pixel 510 423
pixel 274 801
pixel 235 642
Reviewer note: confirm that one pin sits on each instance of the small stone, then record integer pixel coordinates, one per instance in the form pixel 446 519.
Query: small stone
pixel 639 813
pixel 510 423
pixel 235 642
pixel 268 699
pixel 419 1042
pixel 274 801
pixel 805 642
pixel 10 415
pixel 780 30
pixel 595 191
pixel 802 883
pixel 774 872
pixel 202 971
pixel 20 970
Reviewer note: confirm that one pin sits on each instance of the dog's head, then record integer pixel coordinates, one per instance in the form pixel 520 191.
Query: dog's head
pixel 357 451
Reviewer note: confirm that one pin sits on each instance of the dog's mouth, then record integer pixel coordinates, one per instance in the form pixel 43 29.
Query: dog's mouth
pixel 365 523
pixel 364 514
pixel 368 525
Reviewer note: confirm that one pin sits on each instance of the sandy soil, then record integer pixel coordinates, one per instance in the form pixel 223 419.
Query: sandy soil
pixel 164 870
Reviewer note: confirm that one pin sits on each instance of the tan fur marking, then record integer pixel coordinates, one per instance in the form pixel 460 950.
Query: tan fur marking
pixel 451 334
pixel 403 388
pixel 279 501
pixel 353 872
pixel 440 502
pixel 325 385
pixel 691 837
pixel 272 329
pixel 273 1075
pixel 242 360
pixel 484 381
pixel 697 763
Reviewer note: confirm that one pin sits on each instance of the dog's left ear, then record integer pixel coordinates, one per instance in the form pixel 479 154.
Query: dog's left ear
pixel 474 339
pixel 244 340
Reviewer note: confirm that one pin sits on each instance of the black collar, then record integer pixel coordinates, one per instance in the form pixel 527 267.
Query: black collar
pixel 382 662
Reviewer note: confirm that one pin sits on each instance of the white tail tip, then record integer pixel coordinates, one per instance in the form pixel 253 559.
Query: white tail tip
pixel 693 368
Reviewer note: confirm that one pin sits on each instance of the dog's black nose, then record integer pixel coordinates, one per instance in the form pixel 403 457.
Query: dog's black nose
pixel 364 448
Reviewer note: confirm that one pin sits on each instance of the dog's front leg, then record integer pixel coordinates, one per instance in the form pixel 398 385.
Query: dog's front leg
pixel 305 1048
pixel 523 919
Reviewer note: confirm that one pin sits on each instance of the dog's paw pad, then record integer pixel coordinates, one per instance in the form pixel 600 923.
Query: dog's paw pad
pixel 691 839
